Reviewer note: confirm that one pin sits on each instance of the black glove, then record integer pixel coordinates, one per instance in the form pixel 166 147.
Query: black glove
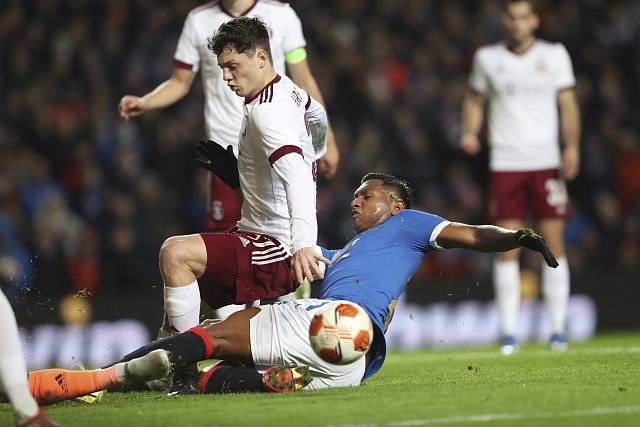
pixel 530 240
pixel 221 162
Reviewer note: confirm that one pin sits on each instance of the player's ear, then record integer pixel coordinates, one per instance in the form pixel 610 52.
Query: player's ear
pixel 535 21
pixel 397 206
pixel 262 57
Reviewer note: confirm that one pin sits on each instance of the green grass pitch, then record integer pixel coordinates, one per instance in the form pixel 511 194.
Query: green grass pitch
pixel 596 383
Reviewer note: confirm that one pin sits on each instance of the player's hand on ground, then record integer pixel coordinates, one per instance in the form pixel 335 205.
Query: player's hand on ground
pixel 570 162
pixel 531 240
pixel 470 144
pixel 305 264
pixel 130 106
pixel 330 161
pixel 221 162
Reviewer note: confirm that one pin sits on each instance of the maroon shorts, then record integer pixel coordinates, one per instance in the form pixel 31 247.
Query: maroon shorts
pixel 223 211
pixel 243 267
pixel 515 195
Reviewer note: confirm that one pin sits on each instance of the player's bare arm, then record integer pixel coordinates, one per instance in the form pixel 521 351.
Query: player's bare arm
pixel 570 128
pixel 302 76
pixel 165 94
pixel 472 115
pixel 489 238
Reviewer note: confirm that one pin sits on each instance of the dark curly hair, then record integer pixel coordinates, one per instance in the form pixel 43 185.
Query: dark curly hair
pixel 401 186
pixel 244 35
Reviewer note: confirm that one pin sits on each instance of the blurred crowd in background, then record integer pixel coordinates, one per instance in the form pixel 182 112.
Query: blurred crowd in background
pixel 87 199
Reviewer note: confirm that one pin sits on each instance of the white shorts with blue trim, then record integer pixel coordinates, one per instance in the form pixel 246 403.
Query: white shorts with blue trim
pixel 280 336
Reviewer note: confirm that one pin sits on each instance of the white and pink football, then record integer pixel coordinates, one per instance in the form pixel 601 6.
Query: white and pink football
pixel 341 332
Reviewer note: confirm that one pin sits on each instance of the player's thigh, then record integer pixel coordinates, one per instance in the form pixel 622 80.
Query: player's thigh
pixel 548 195
pixel 507 196
pixel 280 336
pixel 218 280
pixel 231 336
pixel 552 229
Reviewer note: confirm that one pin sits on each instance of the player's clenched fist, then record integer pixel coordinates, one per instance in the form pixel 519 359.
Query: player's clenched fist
pixel 130 106
pixel 531 240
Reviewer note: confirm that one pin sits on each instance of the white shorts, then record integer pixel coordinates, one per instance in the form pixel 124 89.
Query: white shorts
pixel 280 336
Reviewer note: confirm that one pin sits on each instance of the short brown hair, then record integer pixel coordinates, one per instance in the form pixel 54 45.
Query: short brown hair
pixel 242 35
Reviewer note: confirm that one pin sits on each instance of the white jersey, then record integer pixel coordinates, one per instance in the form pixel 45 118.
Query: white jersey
pixel 223 108
pixel 523 112
pixel 276 163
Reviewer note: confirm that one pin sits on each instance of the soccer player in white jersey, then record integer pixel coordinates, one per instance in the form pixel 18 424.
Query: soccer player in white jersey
pixel 223 109
pixel 526 81
pixel 13 372
pixel 271 251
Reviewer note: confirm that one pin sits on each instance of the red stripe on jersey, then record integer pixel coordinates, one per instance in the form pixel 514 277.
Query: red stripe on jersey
pixel 308 104
pixel 275 80
pixel 183 65
pixel 283 151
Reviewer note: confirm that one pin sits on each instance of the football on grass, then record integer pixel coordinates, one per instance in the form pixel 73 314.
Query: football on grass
pixel 341 332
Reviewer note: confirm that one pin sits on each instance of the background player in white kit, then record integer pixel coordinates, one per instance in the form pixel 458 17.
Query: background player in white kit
pixel 526 80
pixel 13 371
pixel 272 250
pixel 223 109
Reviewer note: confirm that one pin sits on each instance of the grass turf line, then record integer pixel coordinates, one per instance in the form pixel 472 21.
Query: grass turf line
pixel 595 383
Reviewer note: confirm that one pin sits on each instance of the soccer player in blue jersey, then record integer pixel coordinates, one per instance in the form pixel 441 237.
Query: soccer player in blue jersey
pixel 371 270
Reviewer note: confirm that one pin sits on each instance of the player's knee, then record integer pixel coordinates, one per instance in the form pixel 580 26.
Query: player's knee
pixel 174 254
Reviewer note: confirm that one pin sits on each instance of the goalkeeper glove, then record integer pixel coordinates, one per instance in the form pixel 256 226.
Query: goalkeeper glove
pixel 531 240
pixel 221 162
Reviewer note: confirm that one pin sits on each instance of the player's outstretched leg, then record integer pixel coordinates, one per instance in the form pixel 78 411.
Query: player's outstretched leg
pixel 50 385
pixel 227 339
pixel 237 379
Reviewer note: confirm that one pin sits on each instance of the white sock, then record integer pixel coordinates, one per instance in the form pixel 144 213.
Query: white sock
pixel 555 287
pixel 13 370
pixel 506 282
pixel 182 305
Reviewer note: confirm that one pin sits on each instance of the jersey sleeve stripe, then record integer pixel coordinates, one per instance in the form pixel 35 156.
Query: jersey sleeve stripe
pixel 283 151
pixel 435 233
pixel 563 88
pixel 183 65
pixel 474 90
pixel 308 104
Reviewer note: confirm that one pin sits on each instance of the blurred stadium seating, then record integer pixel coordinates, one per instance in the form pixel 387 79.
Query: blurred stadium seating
pixel 87 199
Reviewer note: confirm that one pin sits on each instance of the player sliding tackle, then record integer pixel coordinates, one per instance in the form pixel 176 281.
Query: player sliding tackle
pixel 372 270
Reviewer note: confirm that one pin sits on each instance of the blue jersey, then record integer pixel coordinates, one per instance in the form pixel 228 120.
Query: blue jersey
pixel 374 268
